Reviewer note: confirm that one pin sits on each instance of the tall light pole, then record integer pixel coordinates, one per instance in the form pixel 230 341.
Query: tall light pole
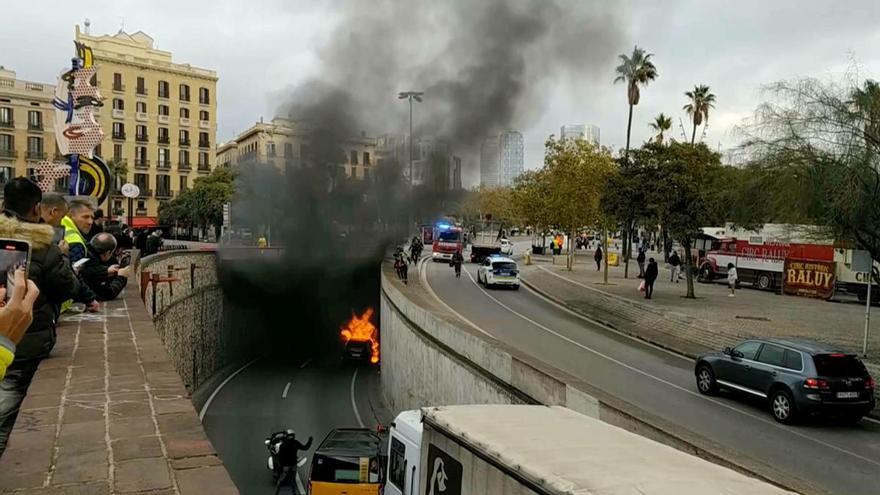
pixel 410 95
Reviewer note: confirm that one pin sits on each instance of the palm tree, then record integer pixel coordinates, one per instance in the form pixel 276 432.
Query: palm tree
pixel 661 124
pixel 866 107
pixel 635 70
pixel 119 169
pixel 698 108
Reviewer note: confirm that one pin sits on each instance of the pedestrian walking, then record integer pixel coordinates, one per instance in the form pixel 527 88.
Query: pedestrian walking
pixel 457 260
pixel 640 259
pixel 731 279
pixel 598 257
pixel 651 273
pixel 674 267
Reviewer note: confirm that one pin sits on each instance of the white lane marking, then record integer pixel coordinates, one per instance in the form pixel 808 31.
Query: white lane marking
pixel 872 420
pixel 286 388
pixel 600 324
pixel 670 384
pixel 354 406
pixel 305 363
pixel 299 483
pixel 219 387
pixel 423 273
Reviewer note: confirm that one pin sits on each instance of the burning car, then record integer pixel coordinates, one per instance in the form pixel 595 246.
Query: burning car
pixel 361 338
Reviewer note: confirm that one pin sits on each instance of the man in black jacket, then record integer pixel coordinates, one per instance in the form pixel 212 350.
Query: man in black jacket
pixel 102 272
pixel 52 273
pixel 651 273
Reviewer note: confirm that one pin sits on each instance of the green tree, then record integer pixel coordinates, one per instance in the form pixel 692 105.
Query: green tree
pixel 625 202
pixel 684 184
pixel 576 173
pixel 634 70
pixel 661 125
pixel 701 100
pixel 202 205
pixel 816 150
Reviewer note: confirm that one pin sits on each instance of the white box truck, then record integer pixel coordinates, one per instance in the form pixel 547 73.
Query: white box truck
pixel 519 450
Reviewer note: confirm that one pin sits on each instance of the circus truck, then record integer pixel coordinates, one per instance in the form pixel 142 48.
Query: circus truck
pixel 548 450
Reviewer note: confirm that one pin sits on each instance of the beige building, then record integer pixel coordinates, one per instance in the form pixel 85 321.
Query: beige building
pixel 284 143
pixel 159 118
pixel 26 135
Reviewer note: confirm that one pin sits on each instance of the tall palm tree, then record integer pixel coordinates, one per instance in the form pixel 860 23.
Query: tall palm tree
pixel 865 104
pixel 701 100
pixel 661 124
pixel 634 70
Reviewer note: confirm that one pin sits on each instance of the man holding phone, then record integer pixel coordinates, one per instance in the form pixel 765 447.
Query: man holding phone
pixel 101 270
pixel 52 274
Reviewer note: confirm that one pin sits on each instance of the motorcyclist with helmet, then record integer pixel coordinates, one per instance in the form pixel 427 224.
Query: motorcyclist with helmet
pixel 284 455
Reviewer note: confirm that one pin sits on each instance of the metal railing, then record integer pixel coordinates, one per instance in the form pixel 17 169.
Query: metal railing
pixel 163 140
pixel 141 163
pixel 118 135
pixel 4 153
pixel 142 138
pixel 35 155
pixel 7 124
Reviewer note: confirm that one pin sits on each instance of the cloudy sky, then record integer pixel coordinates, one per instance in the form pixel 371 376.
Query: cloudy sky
pixel 264 49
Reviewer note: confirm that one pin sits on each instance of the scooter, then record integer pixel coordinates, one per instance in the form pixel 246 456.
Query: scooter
pixel 272 444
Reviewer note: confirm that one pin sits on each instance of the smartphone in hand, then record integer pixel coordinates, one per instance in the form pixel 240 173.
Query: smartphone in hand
pixel 14 253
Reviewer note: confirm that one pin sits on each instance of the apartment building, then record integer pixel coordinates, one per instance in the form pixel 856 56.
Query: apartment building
pixel 26 125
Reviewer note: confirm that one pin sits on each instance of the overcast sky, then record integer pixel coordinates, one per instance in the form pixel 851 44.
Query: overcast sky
pixel 260 48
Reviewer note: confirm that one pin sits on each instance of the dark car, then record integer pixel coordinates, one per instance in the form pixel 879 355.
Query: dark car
pixel 797 378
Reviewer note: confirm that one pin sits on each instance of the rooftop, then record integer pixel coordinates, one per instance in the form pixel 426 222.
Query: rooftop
pixel 350 442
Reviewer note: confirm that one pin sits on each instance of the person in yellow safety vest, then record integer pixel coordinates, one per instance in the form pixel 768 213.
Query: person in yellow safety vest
pixel 262 243
pixel 76 224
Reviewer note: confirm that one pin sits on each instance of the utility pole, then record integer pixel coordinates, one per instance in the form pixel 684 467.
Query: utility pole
pixel 410 95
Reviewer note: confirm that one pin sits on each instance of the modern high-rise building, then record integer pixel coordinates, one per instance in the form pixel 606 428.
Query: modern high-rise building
pixel 575 131
pixel 159 118
pixel 26 126
pixel 433 161
pixel 501 159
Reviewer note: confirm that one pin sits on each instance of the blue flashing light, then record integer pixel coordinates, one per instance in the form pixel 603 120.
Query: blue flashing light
pixel 443 226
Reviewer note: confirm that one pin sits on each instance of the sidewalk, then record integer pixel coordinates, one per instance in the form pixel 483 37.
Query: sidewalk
pixel 108 413
pixel 711 321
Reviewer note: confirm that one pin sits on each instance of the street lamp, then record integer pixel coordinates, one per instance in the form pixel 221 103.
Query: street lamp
pixel 410 95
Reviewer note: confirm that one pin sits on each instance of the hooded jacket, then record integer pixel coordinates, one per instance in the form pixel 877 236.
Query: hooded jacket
pixel 51 272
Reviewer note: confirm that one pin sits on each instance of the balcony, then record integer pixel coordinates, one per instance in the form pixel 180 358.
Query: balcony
pixel 145 192
pixel 184 121
pixel 204 124
pixel 142 138
pixel 7 124
pixel 141 212
pixel 35 155
pixel 162 95
pixel 184 167
pixel 119 136
pixel 203 101
pixel 204 168
pixel 141 163
pixel 141 117
pixel 184 99
pixel 163 140
pixel 118 114
pixel 8 154
pixel 184 142
pixel 163 165
pixel 119 88
pixel 163 119
pixel 163 194
pixel 204 144
pixel 141 91
pixel 35 126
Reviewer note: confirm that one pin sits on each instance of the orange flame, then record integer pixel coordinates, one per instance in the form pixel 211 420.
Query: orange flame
pixel 360 329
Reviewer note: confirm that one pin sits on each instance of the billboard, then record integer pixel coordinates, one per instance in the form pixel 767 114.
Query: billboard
pixel 808 278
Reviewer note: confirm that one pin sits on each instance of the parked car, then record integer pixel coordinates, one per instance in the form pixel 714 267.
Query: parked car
pixel 498 271
pixel 797 378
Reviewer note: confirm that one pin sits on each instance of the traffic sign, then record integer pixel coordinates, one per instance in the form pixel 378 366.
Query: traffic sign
pixel 130 190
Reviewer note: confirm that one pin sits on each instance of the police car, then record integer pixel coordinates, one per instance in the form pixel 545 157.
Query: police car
pixel 498 271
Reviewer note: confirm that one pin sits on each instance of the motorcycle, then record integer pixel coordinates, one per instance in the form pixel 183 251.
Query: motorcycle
pixel 273 443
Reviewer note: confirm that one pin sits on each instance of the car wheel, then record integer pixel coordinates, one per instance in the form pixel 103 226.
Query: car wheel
pixel 782 406
pixel 706 383
pixel 763 281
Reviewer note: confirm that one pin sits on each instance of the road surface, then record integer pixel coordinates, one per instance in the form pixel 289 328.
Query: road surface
pixel 312 397
pixel 834 458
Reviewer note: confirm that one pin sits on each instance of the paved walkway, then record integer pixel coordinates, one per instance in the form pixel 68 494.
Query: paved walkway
pixel 725 319
pixel 108 413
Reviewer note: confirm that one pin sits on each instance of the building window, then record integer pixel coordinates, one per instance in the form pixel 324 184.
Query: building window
pixel 204 115
pixel 184 182
pixel 6 174
pixel 164 158
pixel 140 156
pixel 117 82
pixel 141 86
pixel 184 137
pixel 163 110
pixel 35 148
pixel 163 185
pixel 118 130
pixel 164 89
pixel 117 152
pixel 270 149
pixel 141 107
pixel 354 157
pixel 184 113
pixel 142 181
pixel 184 92
pixel 204 96
pixel 118 104
pixel 203 160
pixel 288 150
pixel 203 140
pixel 141 133
pixel 6 143
pixel 6 117
pixel 366 157
pixel 183 156
pixel 163 135
pixel 35 120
